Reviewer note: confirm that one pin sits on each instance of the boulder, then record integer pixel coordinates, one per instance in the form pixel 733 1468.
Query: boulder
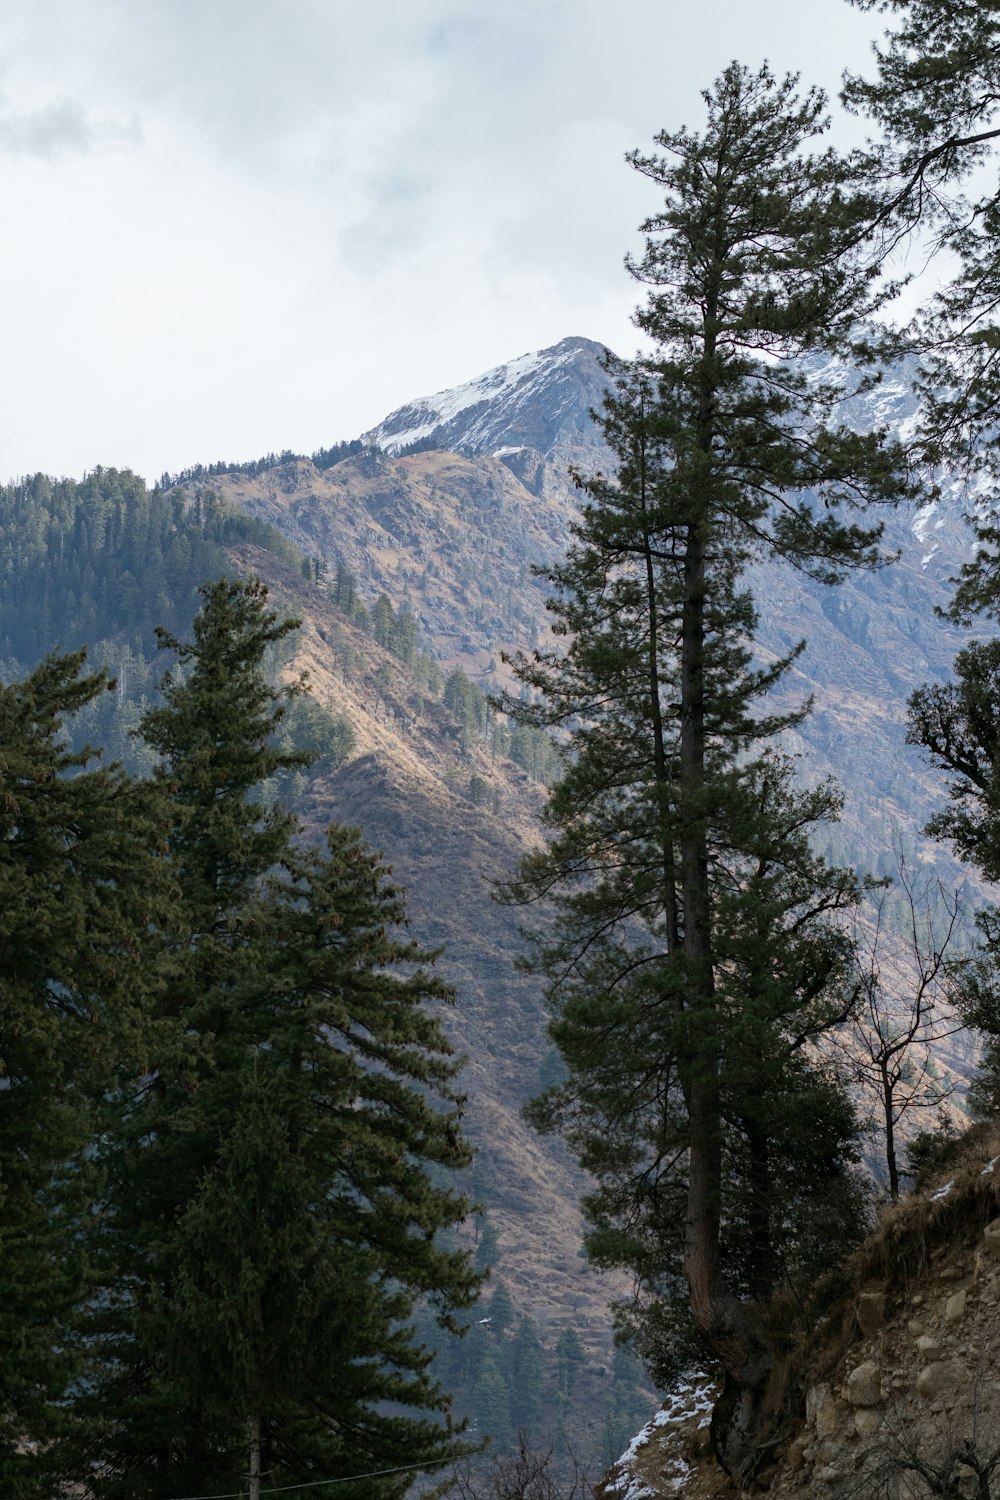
pixel 864 1385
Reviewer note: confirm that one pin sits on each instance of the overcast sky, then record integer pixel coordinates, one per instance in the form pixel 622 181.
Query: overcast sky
pixel 232 226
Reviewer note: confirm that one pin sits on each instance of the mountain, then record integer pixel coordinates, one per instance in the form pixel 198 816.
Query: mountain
pixel 454 527
pixel 450 504
pixel 444 509
pixel 533 413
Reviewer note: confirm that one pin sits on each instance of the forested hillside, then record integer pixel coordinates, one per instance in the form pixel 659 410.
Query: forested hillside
pixel 440 781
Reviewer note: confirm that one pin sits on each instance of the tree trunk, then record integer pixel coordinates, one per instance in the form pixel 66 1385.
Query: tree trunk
pixel 890 1134
pixel 254 1434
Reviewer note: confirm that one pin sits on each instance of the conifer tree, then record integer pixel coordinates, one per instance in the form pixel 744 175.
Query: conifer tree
pixel 936 98
pixel 272 1212
pixel 78 884
pixel 691 948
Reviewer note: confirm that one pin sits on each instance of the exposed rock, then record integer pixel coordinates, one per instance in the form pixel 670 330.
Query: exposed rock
pixel 939 1377
pixel 897 1383
pixel 954 1308
pixel 991 1239
pixel 864 1385
pixel 867 1423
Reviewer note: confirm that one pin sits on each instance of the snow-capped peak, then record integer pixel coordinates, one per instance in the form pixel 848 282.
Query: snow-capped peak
pixel 479 415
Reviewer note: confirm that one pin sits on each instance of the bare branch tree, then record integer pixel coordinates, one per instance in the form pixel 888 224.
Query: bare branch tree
pixel 904 1011
pixel 527 1474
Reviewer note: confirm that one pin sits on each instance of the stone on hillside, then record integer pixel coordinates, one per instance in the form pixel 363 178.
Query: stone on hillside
pixel 867 1423
pixel 927 1347
pixel 864 1385
pixel 954 1308
pixel 991 1238
pixel 937 1379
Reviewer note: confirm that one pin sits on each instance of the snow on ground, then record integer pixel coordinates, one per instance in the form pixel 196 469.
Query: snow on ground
pixel 691 1398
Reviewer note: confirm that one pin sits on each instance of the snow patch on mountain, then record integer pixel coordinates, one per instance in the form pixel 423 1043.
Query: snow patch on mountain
pixel 481 414
pixel 421 418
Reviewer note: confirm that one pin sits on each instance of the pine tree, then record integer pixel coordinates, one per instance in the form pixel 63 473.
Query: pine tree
pixel 935 97
pixel 527 1381
pixel 958 725
pixel 691 957
pixel 273 1205
pixel 491 1403
pixel 78 885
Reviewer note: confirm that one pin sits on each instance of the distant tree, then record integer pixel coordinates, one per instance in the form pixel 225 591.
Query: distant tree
pixel 570 1358
pixel 467 703
pixel 491 1403
pixel 403 638
pixel 383 621
pixel 487 1246
pixel 500 1309
pixel 383 682
pixel 527 1380
pixel 344 590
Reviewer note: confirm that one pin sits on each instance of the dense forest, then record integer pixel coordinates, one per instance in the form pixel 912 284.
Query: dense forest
pixel 106 560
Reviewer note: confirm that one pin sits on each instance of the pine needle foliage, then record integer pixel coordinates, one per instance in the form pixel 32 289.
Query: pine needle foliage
pixel 935 97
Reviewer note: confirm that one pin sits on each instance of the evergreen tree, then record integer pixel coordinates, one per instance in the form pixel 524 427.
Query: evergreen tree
pixel 501 1309
pixel 691 950
pixel 958 724
pixel 527 1381
pixel 491 1404
pixel 271 1222
pixel 487 1246
pixel 570 1359
pixel 78 884
pixel 935 96
pixel 383 621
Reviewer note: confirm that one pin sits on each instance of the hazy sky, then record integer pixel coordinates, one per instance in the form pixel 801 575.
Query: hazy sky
pixel 231 226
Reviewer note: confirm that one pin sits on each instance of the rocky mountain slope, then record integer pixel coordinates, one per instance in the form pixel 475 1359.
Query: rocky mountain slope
pixel 453 501
pixel 407 785
pixel 455 529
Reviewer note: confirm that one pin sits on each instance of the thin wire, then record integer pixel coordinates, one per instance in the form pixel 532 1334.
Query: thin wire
pixel 318 1484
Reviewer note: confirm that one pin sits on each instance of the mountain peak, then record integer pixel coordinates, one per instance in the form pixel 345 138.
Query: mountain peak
pixel 540 401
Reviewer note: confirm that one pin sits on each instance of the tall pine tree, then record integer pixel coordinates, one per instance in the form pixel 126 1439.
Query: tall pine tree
pixel 79 884
pixel 273 1193
pixel 691 958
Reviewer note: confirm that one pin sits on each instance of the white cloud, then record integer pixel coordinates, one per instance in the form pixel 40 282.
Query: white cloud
pixel 324 208
pixel 63 128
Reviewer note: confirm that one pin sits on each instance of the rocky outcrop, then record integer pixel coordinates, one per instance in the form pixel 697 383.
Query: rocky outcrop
pixel 895 1388
pixel 918 1394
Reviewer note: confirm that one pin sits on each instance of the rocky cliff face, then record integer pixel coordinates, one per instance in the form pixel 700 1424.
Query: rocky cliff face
pixel 896 1392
